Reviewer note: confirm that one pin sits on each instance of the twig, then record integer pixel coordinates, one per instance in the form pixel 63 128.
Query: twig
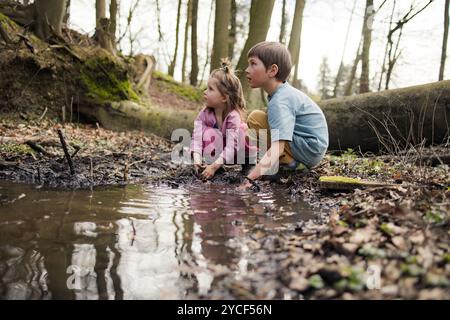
pixel 39 174
pixel 36 147
pixel 125 173
pixel 43 114
pixel 91 170
pixel 77 148
pixel 66 151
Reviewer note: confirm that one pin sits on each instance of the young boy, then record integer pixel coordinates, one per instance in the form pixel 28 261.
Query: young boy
pixel 297 128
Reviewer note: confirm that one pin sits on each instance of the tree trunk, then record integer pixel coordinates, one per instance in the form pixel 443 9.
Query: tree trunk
pixel 194 55
pixel 282 37
pixel 220 44
pixel 367 41
pixel 113 10
pixel 341 65
pixel 100 13
pixel 49 17
pixel 444 41
pixel 67 13
pixel 186 37
pixel 296 34
pixel 174 60
pixel 233 30
pixel 260 16
pixel 402 117
pixel 352 76
pixel 103 27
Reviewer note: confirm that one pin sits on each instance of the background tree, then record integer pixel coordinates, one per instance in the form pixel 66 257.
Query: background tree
pixel 284 18
pixel 295 40
pixel 103 27
pixel 220 44
pixel 444 41
pixel 177 31
pixel 49 17
pixel 186 38
pixel 394 37
pixel 194 55
pixel 367 41
pixel 208 33
pixel 260 16
pixel 233 29
pixel 340 73
pixel 113 11
pixel 325 80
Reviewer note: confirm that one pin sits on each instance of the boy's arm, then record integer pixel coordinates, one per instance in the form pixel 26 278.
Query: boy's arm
pixel 269 160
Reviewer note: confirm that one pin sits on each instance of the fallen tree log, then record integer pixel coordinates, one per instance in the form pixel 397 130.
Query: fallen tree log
pixel 126 115
pixel 390 120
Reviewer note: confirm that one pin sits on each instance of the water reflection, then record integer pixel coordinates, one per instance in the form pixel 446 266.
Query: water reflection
pixel 128 243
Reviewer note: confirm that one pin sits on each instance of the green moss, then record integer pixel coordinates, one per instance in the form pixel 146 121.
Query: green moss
pixel 186 91
pixel 15 148
pixel 339 179
pixel 105 80
pixel 316 281
pixel 434 216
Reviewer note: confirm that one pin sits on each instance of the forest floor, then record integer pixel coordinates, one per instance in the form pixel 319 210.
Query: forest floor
pixel 399 231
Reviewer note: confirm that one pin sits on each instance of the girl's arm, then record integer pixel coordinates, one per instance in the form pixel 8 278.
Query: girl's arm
pixel 231 145
pixel 197 135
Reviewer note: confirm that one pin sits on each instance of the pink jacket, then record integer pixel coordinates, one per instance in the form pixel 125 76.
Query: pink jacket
pixel 233 134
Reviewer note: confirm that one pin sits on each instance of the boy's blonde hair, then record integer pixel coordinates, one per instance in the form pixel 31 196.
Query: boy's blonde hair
pixel 230 87
pixel 273 53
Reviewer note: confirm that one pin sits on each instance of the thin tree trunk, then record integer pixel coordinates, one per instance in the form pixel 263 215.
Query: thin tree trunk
pixel 174 60
pixel 220 44
pixel 186 38
pixel 383 67
pixel 281 39
pixel 194 55
pixel 341 65
pixel 207 42
pixel 296 34
pixel 103 26
pixel 367 41
pixel 113 9
pixel 100 13
pixel 233 29
pixel 394 53
pixel 444 41
pixel 352 76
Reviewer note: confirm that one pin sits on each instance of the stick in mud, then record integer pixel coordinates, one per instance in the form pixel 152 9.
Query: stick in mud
pixel 66 151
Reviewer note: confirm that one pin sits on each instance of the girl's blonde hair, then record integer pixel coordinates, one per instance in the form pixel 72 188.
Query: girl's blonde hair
pixel 230 87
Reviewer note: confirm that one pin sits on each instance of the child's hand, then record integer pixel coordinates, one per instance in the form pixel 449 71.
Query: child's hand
pixel 198 168
pixel 209 171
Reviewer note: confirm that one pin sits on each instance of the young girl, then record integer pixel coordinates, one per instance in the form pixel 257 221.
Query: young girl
pixel 219 127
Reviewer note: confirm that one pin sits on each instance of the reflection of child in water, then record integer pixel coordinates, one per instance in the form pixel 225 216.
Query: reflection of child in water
pixel 218 226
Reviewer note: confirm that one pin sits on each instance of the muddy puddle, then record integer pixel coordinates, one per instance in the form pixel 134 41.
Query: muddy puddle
pixel 131 242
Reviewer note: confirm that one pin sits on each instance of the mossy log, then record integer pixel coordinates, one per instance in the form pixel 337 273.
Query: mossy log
pixel 390 119
pixel 338 183
pixel 126 115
